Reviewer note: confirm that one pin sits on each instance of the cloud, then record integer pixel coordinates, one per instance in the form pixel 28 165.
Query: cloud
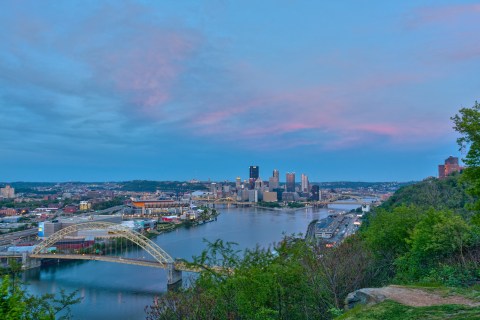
pixel 118 75
pixel 446 14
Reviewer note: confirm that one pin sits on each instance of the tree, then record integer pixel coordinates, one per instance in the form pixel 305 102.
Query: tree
pixel 16 303
pixel 438 236
pixel 388 231
pixel 467 123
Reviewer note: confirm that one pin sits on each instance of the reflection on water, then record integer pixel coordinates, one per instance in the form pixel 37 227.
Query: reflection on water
pixel 117 291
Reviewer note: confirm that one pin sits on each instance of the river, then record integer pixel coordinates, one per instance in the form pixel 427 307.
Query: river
pixel 118 291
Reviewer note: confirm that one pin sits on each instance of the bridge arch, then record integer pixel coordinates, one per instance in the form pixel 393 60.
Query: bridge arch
pixel 148 245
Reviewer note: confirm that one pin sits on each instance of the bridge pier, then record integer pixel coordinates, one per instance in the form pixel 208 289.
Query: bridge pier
pixel 174 277
pixel 29 263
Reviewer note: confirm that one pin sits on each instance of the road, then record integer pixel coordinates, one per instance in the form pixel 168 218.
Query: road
pixel 7 239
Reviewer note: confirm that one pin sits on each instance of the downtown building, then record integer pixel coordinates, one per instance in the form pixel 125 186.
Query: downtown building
pixel 274 181
pixel 253 176
pixel 305 184
pixel 290 185
pixel 315 193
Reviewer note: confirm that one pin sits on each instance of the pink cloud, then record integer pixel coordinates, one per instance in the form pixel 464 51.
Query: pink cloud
pixel 146 70
pixel 444 14
pixel 331 118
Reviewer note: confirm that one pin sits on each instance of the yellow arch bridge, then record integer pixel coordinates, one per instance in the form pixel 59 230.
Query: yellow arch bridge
pixel 161 259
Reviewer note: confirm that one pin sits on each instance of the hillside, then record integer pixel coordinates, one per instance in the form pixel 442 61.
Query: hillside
pixel 448 193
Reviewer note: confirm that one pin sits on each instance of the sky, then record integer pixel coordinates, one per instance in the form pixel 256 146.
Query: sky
pixel 176 90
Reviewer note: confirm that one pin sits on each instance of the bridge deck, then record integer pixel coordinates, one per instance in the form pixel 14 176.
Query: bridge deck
pixel 180 266
pixel 93 257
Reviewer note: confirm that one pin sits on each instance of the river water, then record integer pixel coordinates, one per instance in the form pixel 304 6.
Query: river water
pixel 118 291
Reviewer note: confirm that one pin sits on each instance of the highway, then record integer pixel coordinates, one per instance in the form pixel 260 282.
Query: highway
pixel 7 239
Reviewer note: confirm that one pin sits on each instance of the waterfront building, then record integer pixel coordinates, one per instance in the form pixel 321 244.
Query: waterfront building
pixel 252 196
pixel 7 192
pixel 156 206
pixel 305 183
pixel 244 195
pixel 450 166
pixel 290 182
pixel 269 196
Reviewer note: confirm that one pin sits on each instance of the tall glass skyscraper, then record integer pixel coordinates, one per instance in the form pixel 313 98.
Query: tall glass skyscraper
pixel 290 181
pixel 254 172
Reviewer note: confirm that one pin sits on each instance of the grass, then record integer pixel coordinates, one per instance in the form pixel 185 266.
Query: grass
pixel 395 311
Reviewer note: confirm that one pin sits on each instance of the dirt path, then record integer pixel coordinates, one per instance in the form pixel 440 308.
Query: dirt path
pixel 421 298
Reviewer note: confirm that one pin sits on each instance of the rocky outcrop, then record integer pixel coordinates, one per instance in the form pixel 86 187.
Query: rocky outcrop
pixel 415 297
pixel 364 296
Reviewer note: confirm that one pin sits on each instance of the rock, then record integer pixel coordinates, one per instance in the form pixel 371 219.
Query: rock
pixel 364 296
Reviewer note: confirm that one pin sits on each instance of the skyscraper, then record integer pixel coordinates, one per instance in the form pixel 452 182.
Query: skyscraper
pixel 315 193
pixel 254 174
pixel 290 181
pixel 305 183
pixel 274 181
pixel 276 174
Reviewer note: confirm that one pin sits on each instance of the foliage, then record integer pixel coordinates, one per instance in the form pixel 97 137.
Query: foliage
pixel 16 303
pixel 269 204
pixel 467 123
pixel 388 231
pixel 295 205
pixel 298 280
pixel 436 237
pixel 448 193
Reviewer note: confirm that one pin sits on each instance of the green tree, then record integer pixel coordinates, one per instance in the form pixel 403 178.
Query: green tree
pixel 389 230
pixel 467 123
pixel 437 237
pixel 16 303
pixel 262 285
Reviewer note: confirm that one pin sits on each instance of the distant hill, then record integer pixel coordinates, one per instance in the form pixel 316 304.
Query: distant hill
pixel 152 186
pixel 387 186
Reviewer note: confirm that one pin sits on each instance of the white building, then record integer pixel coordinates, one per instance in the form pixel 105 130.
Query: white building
pixel 305 183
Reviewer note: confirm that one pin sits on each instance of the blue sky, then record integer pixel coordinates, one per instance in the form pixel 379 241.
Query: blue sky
pixel 174 90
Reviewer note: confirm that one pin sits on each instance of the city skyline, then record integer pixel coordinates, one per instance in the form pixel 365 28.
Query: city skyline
pixel 117 91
